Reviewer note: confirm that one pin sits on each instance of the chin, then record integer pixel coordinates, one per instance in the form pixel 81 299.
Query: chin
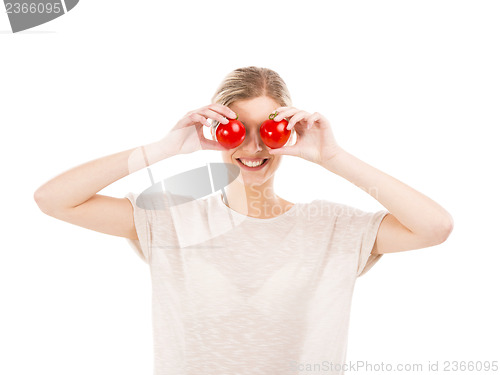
pixel 252 176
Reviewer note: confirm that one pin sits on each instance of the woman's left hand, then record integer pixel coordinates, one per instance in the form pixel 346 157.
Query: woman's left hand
pixel 315 140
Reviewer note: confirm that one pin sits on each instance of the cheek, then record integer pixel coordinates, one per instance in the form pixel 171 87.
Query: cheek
pixel 277 162
pixel 226 156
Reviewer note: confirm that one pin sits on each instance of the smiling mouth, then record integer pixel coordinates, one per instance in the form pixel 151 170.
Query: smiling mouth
pixel 252 163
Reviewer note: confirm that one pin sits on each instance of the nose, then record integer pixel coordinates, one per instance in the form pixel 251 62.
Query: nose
pixel 252 142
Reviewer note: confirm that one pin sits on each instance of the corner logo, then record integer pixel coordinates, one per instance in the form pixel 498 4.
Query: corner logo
pixel 26 14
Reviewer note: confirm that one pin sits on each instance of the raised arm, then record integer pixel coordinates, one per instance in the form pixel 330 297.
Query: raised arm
pixel 72 195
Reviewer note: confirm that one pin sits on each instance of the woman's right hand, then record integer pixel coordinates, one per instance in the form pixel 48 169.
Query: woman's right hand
pixel 187 135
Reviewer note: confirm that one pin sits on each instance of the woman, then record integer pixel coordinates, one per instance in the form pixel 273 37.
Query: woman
pixel 253 283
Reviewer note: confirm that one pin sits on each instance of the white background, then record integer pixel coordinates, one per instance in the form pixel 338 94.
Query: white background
pixel 412 88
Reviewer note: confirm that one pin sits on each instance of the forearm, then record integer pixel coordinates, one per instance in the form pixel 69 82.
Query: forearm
pixel 77 185
pixel 414 210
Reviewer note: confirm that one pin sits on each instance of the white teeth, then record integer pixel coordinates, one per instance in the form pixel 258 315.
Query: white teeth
pixel 252 163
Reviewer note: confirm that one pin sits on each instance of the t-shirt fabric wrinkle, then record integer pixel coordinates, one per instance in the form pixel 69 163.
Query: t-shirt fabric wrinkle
pixel 233 294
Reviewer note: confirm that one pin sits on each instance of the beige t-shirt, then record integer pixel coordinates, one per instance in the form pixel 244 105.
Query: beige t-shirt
pixel 237 295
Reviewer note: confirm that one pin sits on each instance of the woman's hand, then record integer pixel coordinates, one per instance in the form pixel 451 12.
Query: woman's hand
pixel 315 140
pixel 187 135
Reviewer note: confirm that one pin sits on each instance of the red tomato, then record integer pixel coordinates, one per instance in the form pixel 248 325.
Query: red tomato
pixel 232 134
pixel 274 133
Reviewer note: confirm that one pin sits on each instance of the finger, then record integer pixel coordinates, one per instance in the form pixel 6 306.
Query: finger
pixel 312 119
pixel 290 111
pixel 296 118
pixel 281 109
pixel 285 150
pixel 222 109
pixel 210 113
pixel 196 118
pixel 208 144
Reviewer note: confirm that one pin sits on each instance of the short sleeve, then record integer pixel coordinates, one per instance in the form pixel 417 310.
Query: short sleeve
pixel 142 220
pixel 364 227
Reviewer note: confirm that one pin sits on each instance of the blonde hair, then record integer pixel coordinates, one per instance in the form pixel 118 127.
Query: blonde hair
pixel 251 82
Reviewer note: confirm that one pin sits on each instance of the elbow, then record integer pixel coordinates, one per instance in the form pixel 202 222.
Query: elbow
pixel 438 232
pixel 37 196
pixel 445 229
pixel 41 201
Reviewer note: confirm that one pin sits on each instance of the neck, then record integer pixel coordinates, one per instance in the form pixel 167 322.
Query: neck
pixel 258 201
